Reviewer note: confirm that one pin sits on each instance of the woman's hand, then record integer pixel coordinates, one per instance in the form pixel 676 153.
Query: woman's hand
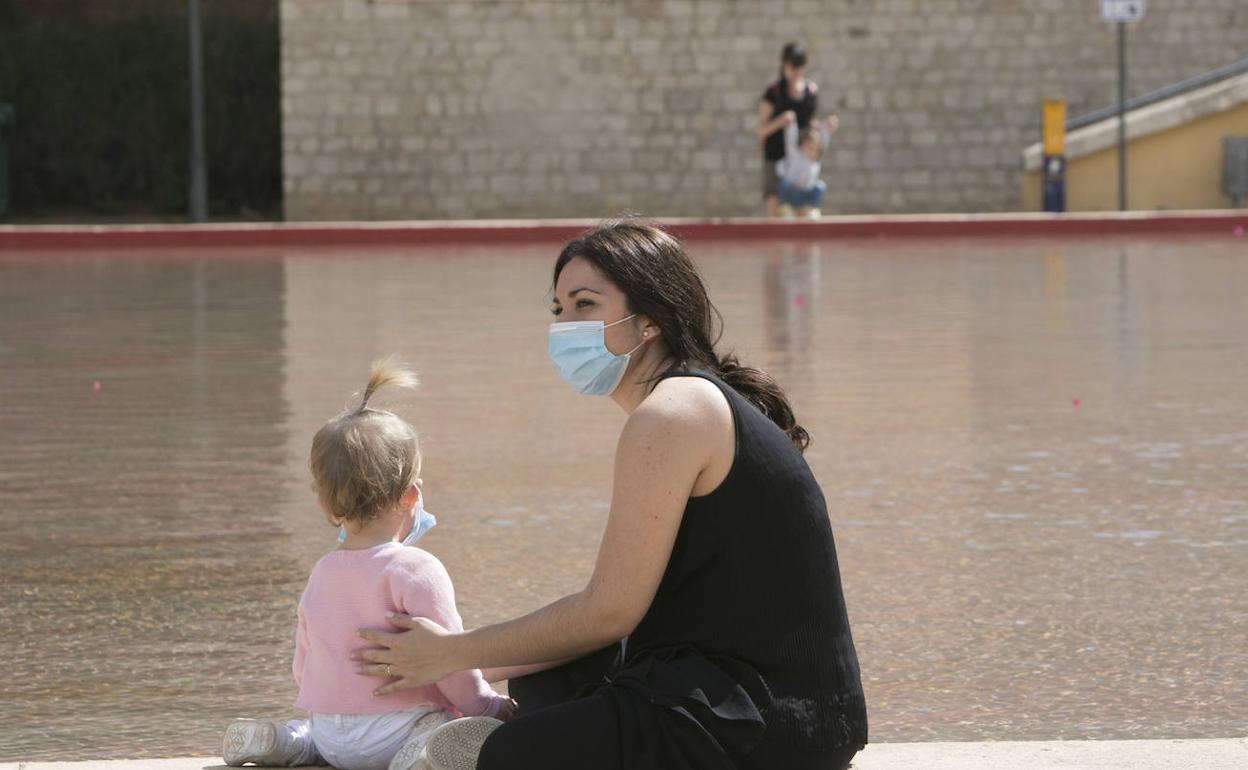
pixel 787 117
pixel 412 658
pixel 833 122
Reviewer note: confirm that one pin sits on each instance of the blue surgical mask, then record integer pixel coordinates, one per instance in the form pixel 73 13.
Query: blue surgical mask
pixel 424 521
pixel 579 350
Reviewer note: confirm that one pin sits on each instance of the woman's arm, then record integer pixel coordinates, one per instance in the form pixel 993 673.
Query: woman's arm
pixel 664 446
pixel 767 125
pixel 425 588
pixel 502 673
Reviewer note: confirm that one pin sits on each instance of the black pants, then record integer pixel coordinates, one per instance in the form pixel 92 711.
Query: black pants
pixel 560 727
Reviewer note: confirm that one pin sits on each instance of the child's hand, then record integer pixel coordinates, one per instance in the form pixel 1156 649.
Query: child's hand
pixel 787 117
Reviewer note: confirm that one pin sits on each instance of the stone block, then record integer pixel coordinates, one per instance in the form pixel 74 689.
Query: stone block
pixel 355 10
pixel 391 12
pixel 505 184
pixel 923 138
pixel 646 47
pixel 916 179
pixel 708 160
pixel 747 44
pixel 582 183
pixel 982 157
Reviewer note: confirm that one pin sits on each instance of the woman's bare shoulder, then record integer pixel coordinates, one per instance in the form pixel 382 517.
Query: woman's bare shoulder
pixel 685 402
pixel 683 427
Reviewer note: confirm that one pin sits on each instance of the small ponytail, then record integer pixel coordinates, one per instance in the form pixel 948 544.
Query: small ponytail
pixel 762 390
pixel 385 372
pixel 364 460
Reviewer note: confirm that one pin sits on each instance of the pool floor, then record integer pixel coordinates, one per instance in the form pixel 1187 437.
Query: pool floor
pixel 1035 454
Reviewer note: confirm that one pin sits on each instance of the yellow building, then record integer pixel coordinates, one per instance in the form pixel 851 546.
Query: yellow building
pixel 1174 153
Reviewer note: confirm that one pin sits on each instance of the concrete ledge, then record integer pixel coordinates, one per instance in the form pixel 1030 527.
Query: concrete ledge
pixel 1213 754
pixel 416 233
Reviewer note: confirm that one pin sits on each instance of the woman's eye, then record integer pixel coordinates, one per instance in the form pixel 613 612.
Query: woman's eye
pixel 555 311
pixel 583 303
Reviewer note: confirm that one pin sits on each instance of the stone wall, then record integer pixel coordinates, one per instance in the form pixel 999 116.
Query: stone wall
pixel 424 109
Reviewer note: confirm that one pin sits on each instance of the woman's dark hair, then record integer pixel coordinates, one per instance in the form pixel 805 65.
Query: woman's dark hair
pixel 660 282
pixel 793 54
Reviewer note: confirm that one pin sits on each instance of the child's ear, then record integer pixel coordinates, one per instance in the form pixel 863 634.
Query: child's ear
pixel 331 518
pixel 411 496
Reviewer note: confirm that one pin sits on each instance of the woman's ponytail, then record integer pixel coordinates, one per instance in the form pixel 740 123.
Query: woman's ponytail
pixel 762 390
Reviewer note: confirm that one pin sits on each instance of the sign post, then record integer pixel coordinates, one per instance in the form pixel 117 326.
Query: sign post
pixel 199 174
pixel 1122 13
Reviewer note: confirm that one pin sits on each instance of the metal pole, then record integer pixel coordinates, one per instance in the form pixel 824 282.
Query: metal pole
pixel 199 174
pixel 1122 116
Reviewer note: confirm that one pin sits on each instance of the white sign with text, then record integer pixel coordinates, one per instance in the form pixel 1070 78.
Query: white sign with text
pixel 1122 10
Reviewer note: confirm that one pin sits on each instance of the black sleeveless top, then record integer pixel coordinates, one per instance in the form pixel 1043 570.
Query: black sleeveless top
pixel 782 101
pixel 748 634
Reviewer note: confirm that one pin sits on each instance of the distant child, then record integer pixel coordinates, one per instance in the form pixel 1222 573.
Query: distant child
pixel 365 467
pixel 799 186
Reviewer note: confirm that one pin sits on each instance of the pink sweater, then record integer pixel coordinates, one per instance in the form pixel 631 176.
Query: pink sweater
pixel 353 589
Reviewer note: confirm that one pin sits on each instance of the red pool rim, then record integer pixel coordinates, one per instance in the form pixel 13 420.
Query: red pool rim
pixel 1229 223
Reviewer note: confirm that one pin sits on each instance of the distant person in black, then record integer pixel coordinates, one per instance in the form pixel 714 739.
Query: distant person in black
pixel 791 98
pixel 712 633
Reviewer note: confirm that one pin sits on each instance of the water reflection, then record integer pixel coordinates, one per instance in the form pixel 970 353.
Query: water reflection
pixel 142 443
pixel 792 290
pixel 1034 453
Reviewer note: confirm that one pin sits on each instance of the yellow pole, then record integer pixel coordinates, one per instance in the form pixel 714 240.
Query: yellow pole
pixel 1054 171
pixel 1054 127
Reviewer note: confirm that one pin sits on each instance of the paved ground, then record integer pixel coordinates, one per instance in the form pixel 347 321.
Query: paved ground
pixel 1219 754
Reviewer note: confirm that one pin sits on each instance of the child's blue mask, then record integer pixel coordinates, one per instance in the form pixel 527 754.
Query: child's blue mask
pixel 579 350
pixel 424 522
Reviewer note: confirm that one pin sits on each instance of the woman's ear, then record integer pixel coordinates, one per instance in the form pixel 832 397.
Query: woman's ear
pixel 649 329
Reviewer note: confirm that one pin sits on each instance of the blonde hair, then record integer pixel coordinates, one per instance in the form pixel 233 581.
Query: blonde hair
pixel 365 459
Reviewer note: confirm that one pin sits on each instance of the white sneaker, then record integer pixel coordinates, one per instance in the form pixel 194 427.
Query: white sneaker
pixel 456 744
pixel 251 740
pixel 411 753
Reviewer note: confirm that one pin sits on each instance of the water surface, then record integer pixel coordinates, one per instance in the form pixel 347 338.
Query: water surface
pixel 1035 454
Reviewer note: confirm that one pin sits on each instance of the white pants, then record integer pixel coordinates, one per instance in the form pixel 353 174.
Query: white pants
pixel 350 741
